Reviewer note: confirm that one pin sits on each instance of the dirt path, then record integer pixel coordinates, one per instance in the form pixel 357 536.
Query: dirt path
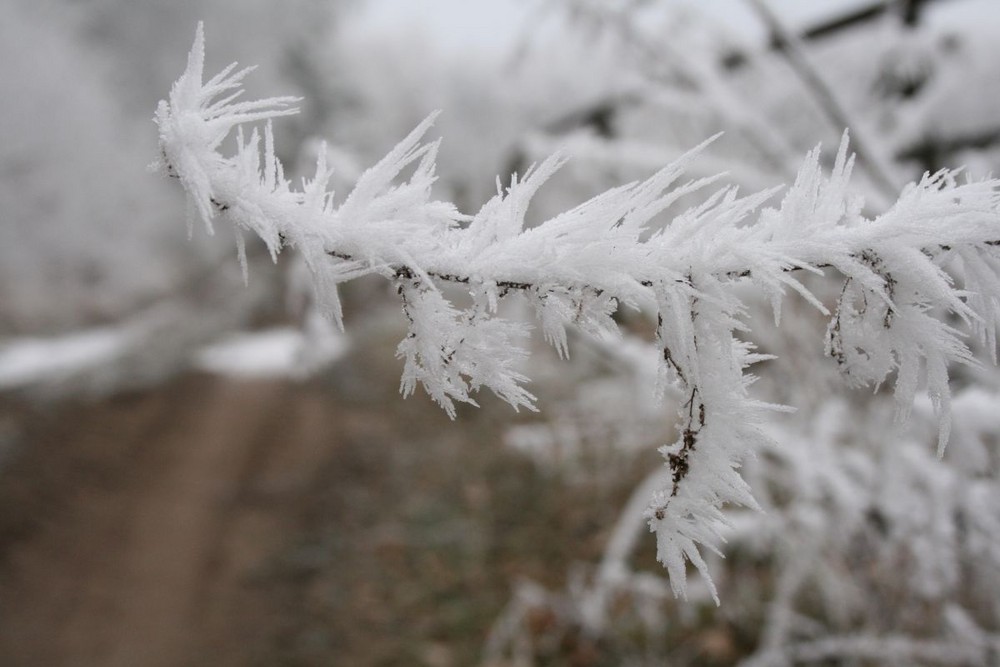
pixel 263 523
pixel 136 541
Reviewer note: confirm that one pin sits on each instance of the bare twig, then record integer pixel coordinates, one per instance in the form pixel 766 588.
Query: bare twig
pixel 882 171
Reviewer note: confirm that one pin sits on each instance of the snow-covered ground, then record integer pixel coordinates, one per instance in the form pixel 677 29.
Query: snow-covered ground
pixel 28 361
pixel 282 352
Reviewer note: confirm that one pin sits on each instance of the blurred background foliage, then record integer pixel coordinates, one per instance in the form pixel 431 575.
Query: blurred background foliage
pixel 194 471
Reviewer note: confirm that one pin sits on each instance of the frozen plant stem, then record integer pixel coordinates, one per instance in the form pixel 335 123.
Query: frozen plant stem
pixel 578 267
pixel 883 173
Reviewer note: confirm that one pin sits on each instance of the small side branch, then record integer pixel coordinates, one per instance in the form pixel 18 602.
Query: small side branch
pixel 790 45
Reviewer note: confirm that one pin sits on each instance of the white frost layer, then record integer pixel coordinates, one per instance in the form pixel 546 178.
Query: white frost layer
pixel 33 360
pixel 281 352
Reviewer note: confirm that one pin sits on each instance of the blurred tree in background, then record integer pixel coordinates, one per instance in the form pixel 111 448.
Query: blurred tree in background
pixel 871 550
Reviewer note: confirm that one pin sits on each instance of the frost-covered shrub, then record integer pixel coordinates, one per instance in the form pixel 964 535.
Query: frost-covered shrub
pixel 870 548
pixel 62 124
pixel 579 267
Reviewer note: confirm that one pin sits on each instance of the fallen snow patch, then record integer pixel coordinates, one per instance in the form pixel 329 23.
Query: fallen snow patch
pixel 282 352
pixel 275 353
pixel 34 360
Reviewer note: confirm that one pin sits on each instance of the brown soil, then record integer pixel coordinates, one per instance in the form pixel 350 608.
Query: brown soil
pixel 219 523
pixel 127 530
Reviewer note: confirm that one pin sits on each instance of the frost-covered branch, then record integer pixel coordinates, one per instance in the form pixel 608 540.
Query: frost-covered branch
pixel 578 267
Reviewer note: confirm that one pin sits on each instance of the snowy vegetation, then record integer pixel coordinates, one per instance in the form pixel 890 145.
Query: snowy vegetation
pixel 910 277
